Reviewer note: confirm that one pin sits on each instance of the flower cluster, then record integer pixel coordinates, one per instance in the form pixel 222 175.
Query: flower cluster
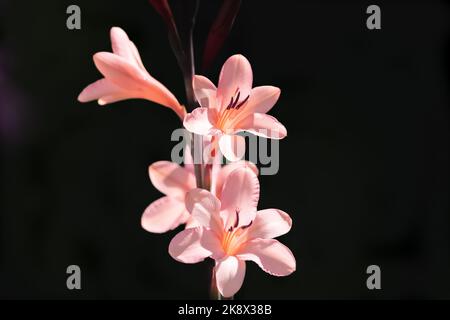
pixel 223 222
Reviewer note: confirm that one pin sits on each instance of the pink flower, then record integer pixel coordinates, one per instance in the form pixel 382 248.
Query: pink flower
pixel 232 231
pixel 175 181
pixel 126 78
pixel 233 107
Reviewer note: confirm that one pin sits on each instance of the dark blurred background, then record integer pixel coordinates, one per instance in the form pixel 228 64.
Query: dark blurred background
pixel 364 169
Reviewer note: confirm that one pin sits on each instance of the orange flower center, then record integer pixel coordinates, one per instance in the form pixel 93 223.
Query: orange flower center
pixel 228 115
pixel 234 237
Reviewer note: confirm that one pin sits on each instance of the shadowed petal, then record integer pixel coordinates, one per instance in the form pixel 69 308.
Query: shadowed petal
pixel 204 208
pixel 226 170
pixel 271 255
pixel 263 125
pixel 171 179
pixel 163 215
pixel 240 195
pixel 186 246
pixel 270 223
pixel 205 92
pixel 219 31
pixel 230 273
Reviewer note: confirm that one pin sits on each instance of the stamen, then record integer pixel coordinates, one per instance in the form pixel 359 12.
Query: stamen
pixel 245 227
pixel 236 223
pixel 242 103
pixel 230 105
pixel 237 100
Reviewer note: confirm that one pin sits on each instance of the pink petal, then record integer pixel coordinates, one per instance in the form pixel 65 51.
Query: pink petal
pixel 261 100
pixel 136 55
pixel 186 246
pixel 230 273
pixel 205 92
pixel 171 179
pixel 272 256
pixel 236 75
pixel 137 82
pixel 204 208
pixel 198 121
pixel 232 146
pixel 97 90
pixel 120 72
pixel 119 96
pixel 163 215
pixel 263 125
pixel 240 194
pixel 121 44
pixel 270 223
pixel 226 170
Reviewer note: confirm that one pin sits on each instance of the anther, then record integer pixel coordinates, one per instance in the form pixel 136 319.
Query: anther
pixel 245 227
pixel 242 103
pixel 236 223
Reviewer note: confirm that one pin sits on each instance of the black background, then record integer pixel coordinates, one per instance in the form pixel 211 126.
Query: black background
pixel 364 169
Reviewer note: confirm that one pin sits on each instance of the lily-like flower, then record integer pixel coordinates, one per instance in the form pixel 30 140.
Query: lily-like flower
pixel 175 181
pixel 233 107
pixel 125 77
pixel 232 231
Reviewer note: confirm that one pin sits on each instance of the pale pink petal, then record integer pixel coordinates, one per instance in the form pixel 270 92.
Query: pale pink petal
pixel 97 90
pixel 198 121
pixel 171 179
pixel 211 241
pixel 204 208
pixel 269 223
pixel 272 256
pixel 163 215
pixel 226 170
pixel 236 75
pixel 232 146
pixel 186 246
pixel 240 195
pixel 205 92
pixel 263 125
pixel 230 273
pixel 261 100
pixel 121 44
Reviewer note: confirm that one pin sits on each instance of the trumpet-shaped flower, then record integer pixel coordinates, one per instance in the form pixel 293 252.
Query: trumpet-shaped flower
pixel 125 77
pixel 175 181
pixel 232 231
pixel 233 107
